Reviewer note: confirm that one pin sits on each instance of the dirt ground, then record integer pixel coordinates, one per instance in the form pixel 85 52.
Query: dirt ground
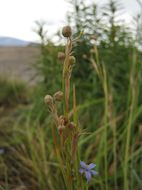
pixel 18 63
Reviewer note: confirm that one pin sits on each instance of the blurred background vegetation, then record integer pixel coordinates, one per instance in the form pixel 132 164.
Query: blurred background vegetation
pixel 27 158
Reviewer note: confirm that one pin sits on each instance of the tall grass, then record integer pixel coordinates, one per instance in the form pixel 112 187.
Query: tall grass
pixel 11 92
pixel 39 155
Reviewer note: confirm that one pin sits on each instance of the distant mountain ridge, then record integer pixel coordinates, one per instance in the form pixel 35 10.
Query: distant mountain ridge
pixel 10 41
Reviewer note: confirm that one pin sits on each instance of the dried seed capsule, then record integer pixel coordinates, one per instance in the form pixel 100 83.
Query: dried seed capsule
pixel 61 128
pixel 72 60
pixel 48 99
pixel 66 31
pixel 61 56
pixel 58 96
pixel 63 120
pixel 72 125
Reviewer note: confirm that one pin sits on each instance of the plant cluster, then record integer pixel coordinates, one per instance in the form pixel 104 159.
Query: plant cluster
pixel 67 131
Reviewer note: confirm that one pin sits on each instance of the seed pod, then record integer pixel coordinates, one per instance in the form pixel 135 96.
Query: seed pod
pixel 72 60
pixel 61 56
pixel 61 128
pixel 58 96
pixel 63 120
pixel 72 125
pixel 66 31
pixel 48 99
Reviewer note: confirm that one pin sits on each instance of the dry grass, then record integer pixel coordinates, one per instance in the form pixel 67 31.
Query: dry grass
pixel 17 62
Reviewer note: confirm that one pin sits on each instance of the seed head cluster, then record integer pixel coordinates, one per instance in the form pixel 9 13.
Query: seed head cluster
pixel 65 122
pixel 66 31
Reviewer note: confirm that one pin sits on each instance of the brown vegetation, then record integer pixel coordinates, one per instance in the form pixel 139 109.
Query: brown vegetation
pixel 17 62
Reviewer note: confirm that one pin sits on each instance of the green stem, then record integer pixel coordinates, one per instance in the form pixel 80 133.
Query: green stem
pixel 106 125
pixel 115 155
pixel 132 95
pixel 87 187
pixel 63 90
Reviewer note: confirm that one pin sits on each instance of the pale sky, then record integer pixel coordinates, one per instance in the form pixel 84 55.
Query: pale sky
pixel 17 16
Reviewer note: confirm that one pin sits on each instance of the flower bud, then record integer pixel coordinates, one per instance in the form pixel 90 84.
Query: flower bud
pixel 61 56
pixel 66 31
pixel 58 96
pixel 72 60
pixel 48 99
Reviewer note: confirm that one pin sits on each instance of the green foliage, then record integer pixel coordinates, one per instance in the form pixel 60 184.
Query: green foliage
pixel 48 65
pixel 12 92
pixel 108 78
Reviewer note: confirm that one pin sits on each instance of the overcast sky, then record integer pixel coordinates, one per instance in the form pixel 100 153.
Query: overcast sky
pixel 17 16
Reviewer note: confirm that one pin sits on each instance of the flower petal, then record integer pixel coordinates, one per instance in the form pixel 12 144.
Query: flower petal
pixel 91 166
pixel 88 175
pixel 81 170
pixel 93 172
pixel 82 164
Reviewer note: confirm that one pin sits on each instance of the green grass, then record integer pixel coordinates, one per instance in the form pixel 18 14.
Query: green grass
pixel 110 135
pixel 12 92
pixel 114 144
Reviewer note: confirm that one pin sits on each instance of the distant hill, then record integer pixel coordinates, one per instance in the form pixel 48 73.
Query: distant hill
pixel 9 41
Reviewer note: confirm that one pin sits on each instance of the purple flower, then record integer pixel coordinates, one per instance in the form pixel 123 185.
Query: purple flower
pixel 88 170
